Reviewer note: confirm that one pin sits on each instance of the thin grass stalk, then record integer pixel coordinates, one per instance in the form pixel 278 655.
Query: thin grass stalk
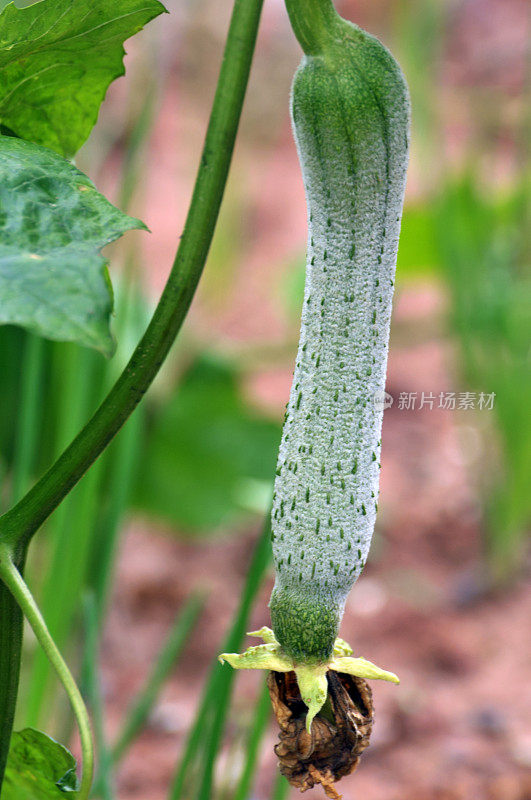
pixel 68 530
pixel 121 459
pixel 226 676
pixel 192 748
pixel 164 664
pixel 27 422
pixel 218 686
pixel 65 583
pixel 120 462
pixel 254 739
pixel 281 788
pixel 91 686
pixel 122 466
pixel 133 163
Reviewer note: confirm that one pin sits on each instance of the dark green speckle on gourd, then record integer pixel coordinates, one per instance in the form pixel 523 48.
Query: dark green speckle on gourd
pixel 350 114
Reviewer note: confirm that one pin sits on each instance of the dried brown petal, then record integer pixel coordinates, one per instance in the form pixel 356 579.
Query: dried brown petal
pixel 339 734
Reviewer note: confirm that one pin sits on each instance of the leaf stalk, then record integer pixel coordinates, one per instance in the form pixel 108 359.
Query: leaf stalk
pixel 20 591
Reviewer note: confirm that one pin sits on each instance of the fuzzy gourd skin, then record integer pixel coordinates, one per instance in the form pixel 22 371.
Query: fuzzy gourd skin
pixel 350 114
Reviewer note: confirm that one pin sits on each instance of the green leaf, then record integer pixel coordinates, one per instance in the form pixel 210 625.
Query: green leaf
pixel 38 768
pixel 57 59
pixel 205 451
pixel 53 224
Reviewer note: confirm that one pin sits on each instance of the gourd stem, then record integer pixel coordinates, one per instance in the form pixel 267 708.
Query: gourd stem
pixel 20 591
pixel 313 22
pixel 19 524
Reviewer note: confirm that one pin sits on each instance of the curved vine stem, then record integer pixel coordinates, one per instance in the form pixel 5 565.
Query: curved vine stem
pixel 20 591
pixel 19 524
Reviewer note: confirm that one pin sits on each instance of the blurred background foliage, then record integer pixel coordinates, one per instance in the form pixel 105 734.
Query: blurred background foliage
pixel 198 456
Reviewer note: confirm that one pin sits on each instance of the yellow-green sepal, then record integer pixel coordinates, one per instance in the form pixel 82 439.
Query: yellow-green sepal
pixel 361 668
pixel 266 634
pixel 262 656
pixel 313 687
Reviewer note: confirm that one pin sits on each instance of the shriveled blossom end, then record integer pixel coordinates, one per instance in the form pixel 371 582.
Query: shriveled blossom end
pixel 311 678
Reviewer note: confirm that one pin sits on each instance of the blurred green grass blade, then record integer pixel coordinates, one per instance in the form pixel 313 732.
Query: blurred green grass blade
pixel 165 662
pixel 480 240
pixel 420 31
pixel 65 579
pixel 195 735
pixel 120 467
pixel 27 422
pixel 219 683
pixel 76 377
pixel 281 788
pixel 103 786
pixel 214 738
pixel 133 163
pixel 214 734
pixel 254 739
pixel 122 457
pixel 84 529
pixel 417 255
pixel 12 344
pixel 93 513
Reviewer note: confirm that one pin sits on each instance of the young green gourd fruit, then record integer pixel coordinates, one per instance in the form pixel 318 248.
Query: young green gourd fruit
pixel 350 113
